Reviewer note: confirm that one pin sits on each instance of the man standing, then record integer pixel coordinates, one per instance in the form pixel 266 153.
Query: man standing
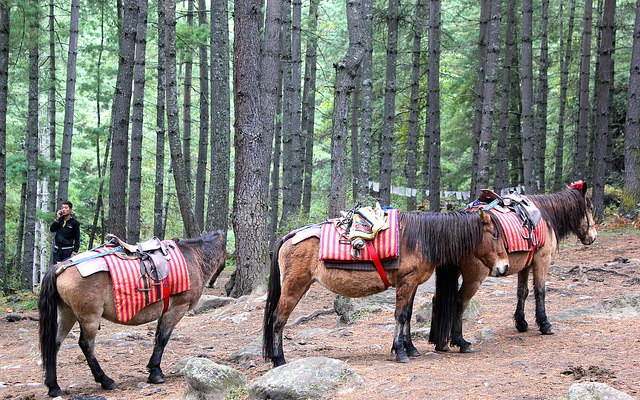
pixel 67 229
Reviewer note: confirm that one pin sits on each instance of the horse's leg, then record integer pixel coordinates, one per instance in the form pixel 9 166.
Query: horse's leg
pixel 166 323
pixel 523 292
pixel 66 320
pixel 402 345
pixel 539 290
pixel 470 285
pixel 291 294
pixel 88 329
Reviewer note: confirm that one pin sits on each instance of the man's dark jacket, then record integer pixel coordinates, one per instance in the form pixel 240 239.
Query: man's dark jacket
pixel 67 233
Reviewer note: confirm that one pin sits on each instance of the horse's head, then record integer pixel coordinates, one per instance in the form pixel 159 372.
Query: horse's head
pixel 586 230
pixel 492 251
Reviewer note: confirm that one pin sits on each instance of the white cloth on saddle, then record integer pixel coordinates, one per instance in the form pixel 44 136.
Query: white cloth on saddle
pixel 91 266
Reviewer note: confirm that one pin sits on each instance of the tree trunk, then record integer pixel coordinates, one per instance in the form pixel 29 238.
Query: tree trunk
pixel 120 122
pixel 414 106
pixel 540 119
pixel 355 145
pixel 51 103
pixel 631 195
pixel 183 191
pixel 31 149
pixel 604 84
pixel 346 70
pixel 274 191
pixel 135 172
pixel 252 145
pixel 485 10
pixel 583 94
pixel 203 147
pixel 4 92
pixel 388 129
pixel 366 94
pixel 309 103
pixel 69 104
pixel 158 219
pixel 218 206
pixel 434 105
pixel 501 162
pixel 558 180
pixel 526 76
pixel 186 106
pixel 489 92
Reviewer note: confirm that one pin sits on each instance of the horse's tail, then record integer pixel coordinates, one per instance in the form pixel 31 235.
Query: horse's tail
pixel 273 297
pixel 48 308
pixel 445 306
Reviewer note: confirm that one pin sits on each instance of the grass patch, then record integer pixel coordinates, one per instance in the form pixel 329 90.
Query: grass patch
pixel 19 302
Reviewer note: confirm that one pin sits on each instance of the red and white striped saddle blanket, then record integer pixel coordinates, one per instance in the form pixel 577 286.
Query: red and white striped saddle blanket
pixel 126 279
pixel 333 247
pixel 517 235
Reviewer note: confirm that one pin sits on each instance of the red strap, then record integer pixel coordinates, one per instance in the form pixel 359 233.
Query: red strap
pixel 166 294
pixel 530 256
pixel 376 261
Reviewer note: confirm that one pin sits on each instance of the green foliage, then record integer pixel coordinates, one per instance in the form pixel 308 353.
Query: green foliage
pixel 20 301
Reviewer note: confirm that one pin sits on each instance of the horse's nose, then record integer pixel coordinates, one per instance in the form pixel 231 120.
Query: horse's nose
pixel 502 270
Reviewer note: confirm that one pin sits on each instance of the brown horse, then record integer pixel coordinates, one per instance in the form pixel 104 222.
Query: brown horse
pixel 565 212
pixel 70 298
pixel 426 241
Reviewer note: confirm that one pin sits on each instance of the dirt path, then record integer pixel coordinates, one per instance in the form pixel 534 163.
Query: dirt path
pixel 507 364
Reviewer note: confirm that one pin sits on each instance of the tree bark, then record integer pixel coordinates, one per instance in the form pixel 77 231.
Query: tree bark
pixel 120 122
pixel 218 206
pixel 191 227
pixel 388 129
pixel 355 145
pixel 309 103
pixel 558 181
pixel 582 133
pixel 489 92
pixel 31 149
pixel 346 70
pixel 540 119
pixel 203 146
pixel 186 105
pixel 51 103
pixel 631 195
pixel 252 145
pixel 434 105
pixel 526 76
pixel 604 84
pixel 366 94
pixel 414 105
pixel 158 218
pixel 135 171
pixel 4 92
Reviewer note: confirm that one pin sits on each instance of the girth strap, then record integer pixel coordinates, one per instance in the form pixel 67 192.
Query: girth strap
pixel 376 261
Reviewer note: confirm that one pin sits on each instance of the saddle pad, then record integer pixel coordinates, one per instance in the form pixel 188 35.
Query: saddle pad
pixel 89 267
pixel 305 233
pixel 387 265
pixel 334 249
pixel 515 233
pixel 125 278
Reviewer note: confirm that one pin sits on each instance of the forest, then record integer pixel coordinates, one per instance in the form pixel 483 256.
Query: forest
pixel 167 118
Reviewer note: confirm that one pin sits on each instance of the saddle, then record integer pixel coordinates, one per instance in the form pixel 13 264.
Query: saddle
pixel 361 225
pixel 152 253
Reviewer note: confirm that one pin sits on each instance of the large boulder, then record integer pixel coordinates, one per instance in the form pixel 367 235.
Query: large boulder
pixel 595 391
pixel 207 380
pixel 622 306
pixel 308 378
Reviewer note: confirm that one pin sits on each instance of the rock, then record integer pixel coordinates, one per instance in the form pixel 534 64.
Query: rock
pixel 246 353
pixel 350 309
pixel 207 380
pixel 307 378
pixel 209 302
pixel 13 317
pixel 595 391
pixel 626 305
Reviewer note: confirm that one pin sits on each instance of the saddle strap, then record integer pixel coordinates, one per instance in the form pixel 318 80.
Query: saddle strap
pixel 376 261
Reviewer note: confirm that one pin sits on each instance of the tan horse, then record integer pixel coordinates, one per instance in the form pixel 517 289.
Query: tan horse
pixel 70 298
pixel 426 241
pixel 565 212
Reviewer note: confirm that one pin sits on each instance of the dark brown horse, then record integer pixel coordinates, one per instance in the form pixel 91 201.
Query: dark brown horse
pixel 70 298
pixel 565 212
pixel 426 241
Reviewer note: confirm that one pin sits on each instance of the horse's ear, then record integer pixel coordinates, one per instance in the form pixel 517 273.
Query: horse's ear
pixel 485 217
pixel 580 185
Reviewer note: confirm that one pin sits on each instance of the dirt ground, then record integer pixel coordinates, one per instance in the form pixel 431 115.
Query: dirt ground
pixel 506 365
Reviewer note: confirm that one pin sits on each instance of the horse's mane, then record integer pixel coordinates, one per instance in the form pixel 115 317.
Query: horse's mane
pixel 563 211
pixel 441 238
pixel 210 248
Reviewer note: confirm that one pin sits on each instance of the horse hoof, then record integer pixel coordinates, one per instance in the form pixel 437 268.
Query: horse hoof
pixel 108 384
pixel 403 359
pixel 55 392
pixel 444 348
pixel 547 331
pixel 522 327
pixel 278 362
pixel 413 353
pixel 467 349
pixel 156 379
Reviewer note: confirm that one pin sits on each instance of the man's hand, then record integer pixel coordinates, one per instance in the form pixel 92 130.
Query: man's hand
pixel 58 214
